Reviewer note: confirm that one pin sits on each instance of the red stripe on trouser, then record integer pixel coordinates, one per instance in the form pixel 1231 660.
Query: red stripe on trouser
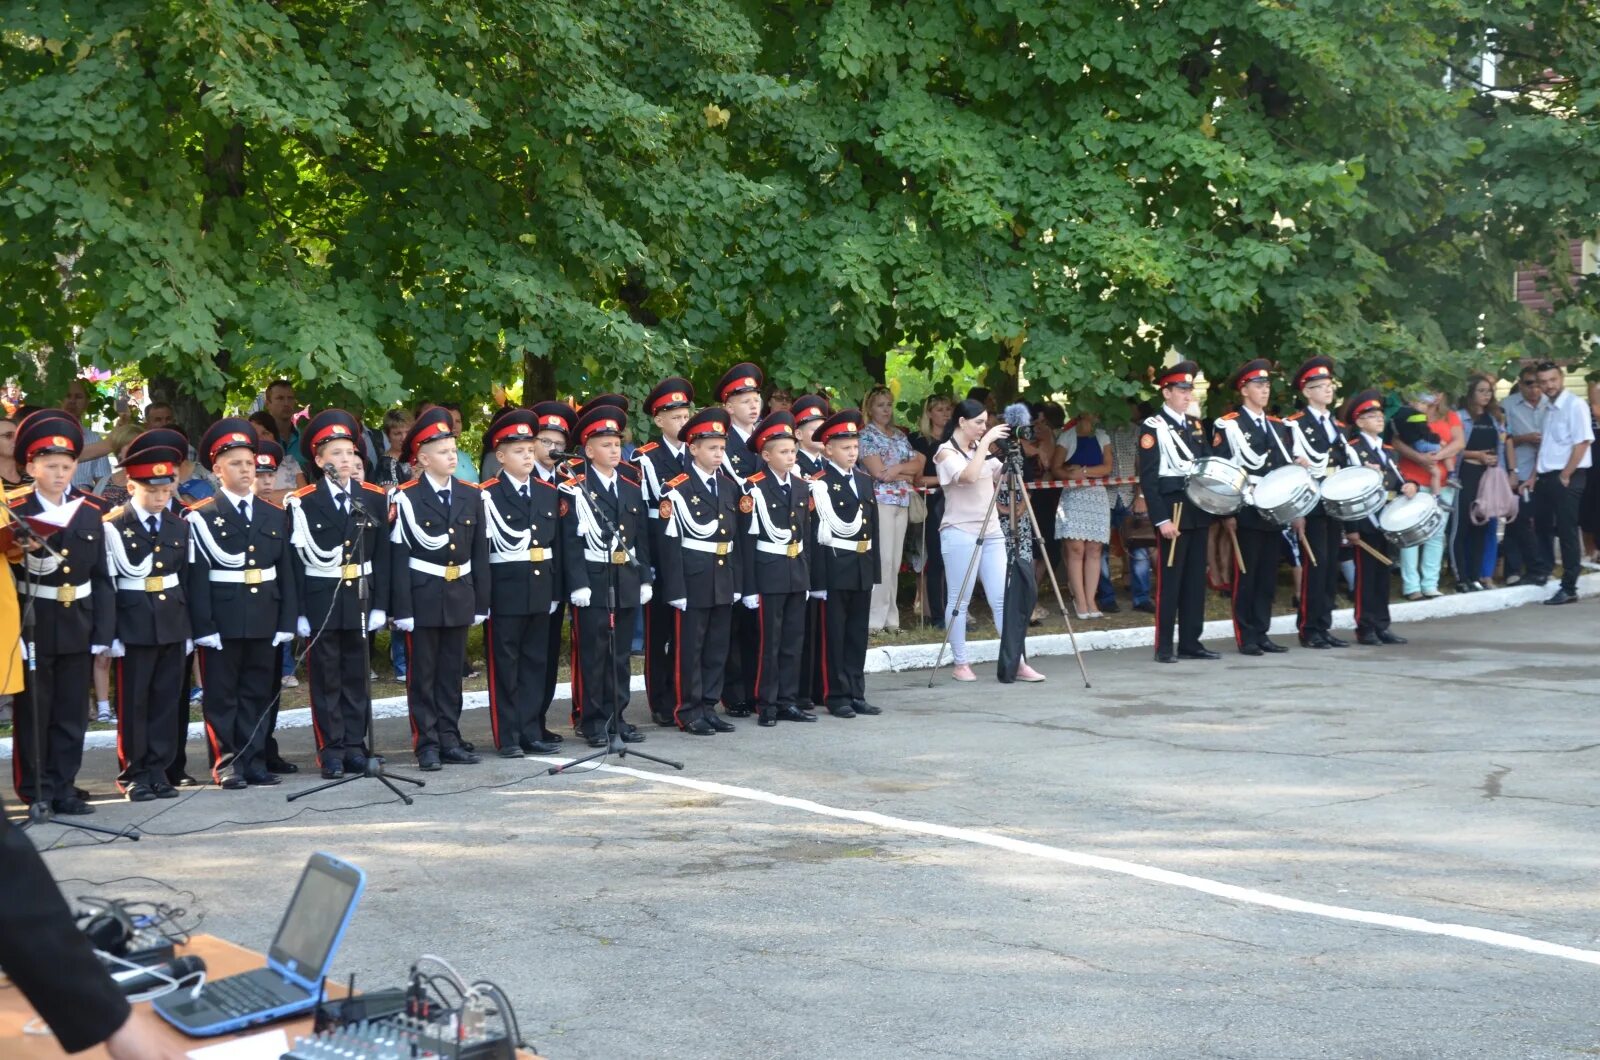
pixel 1305 593
pixel 211 733
pixel 494 700
pixel 1360 562
pixel 1233 610
pixel 677 667
pixel 761 647
pixel 823 642
pixel 411 678
pixel 577 674
pixel 1160 626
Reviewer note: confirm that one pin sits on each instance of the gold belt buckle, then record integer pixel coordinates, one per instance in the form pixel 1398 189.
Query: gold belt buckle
pixel 155 584
pixel 538 555
pixel 350 570
pixel 862 546
pixel 252 576
pixel 452 571
pixel 722 548
pixel 620 556
pixel 66 594
pixel 794 549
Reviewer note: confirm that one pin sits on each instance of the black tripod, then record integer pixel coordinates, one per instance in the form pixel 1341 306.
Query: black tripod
pixel 375 769
pixel 614 742
pixel 40 811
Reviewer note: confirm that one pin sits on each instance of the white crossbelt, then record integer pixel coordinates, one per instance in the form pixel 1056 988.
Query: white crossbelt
pixel 248 576
pixel 845 544
pixel 773 548
pixel 715 548
pixel 338 570
pixel 154 584
pixel 526 555
pixel 448 571
pixel 600 555
pixel 62 593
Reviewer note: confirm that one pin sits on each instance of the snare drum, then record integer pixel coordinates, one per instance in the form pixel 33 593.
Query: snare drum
pixel 1410 521
pixel 1353 493
pixel 1216 485
pixel 1285 494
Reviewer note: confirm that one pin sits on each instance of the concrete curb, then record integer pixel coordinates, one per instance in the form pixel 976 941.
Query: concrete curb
pixel 920 656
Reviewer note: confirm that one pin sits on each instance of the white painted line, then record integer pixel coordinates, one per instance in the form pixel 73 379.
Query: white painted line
pixel 1249 895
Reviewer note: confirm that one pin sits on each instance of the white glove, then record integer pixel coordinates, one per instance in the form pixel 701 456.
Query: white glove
pixel 580 597
pixel 116 651
pixel 818 594
pixel 679 604
pixel 478 620
pixel 210 640
pixel 302 626
pixel 188 647
pixel 645 593
pixel 405 625
pixel 376 620
pixel 281 638
pixel 555 605
pixel 752 601
pixel 737 597
pixel 94 649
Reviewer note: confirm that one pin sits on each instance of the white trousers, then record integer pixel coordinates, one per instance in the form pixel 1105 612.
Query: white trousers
pixel 956 546
pixel 892 522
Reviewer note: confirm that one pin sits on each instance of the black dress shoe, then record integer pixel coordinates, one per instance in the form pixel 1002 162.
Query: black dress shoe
pixel 739 710
pixel 511 750
pixel 767 717
pixel 861 706
pixel 546 736
pixel 1391 638
pixel 335 770
pixel 597 741
pixel 166 791
pixel 182 780
pixel 139 793
pixel 71 806
pixel 538 747
pixel 841 712
pixel 631 735
pixel 234 782
pixel 718 724
pixel 467 746
pixel 1147 608
pixel 1543 579
pixel 666 721
pixel 1369 639
pixel 1166 657
pixel 82 793
pixel 1250 649
pixel 1314 642
pixel 280 766
pixel 794 713
pixel 1197 653
pixel 428 762
pixel 1563 597
pixel 1334 642
pixel 1272 647
pixel 261 779
pixel 458 756
pixel 698 727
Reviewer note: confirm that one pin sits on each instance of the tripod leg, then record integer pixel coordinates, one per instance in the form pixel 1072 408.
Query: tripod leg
pixel 962 597
pixel 386 782
pixel 625 753
pixel 1055 586
pixel 341 782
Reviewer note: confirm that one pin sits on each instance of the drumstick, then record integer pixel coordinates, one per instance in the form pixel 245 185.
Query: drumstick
pixel 1305 543
pixel 1238 556
pixel 1375 554
pixel 1177 517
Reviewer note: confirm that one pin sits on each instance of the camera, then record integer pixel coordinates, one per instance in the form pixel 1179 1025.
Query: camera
pixel 1024 433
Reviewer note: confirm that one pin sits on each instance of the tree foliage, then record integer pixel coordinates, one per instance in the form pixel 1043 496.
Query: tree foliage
pixel 436 195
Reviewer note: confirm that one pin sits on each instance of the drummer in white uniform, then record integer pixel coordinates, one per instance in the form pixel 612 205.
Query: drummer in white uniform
pixel 1365 410
pixel 1320 438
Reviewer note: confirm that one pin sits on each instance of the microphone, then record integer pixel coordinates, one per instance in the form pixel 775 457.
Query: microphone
pixel 134 981
pixel 1017 415
pixel 333 473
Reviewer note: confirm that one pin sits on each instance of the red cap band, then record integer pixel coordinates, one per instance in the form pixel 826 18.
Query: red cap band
pixel 1311 375
pixel 230 440
pixel 54 441
pixel 776 431
pixel 1250 377
pixel 552 423
pixel 747 382
pixel 328 434
pixel 431 432
pixel 601 425
pixel 709 427
pixel 516 432
pixel 1366 406
pixel 1175 377
pixel 828 433
pixel 154 469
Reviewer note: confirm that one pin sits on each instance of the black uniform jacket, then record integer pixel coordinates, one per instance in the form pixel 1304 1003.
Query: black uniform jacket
pixel 774 568
pixel 706 572
pixel 841 568
pixel 152 616
pixel 525 583
pixel 1162 492
pixel 1260 442
pixel 741 461
pixel 624 512
pixel 437 599
pixel 1381 457
pixel 243 604
pixel 334 603
pixel 71 623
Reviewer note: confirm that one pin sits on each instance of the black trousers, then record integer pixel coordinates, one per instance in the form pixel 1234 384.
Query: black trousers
pixel 701 636
pixel 1319 582
pixel 180 724
pixel 1555 513
pixel 1180 589
pixel 1467 545
pixel 738 685
pixel 518 657
pixel 150 680
pixel 1524 551
pixel 1255 586
pixel 811 676
pixel 336 671
pixel 56 693
pixel 435 656
pixel 844 646
pixel 552 653
pixel 933 579
pixel 239 687
pixel 1372 586
pixel 780 636
pixel 660 671
pixel 270 744
pixel 600 678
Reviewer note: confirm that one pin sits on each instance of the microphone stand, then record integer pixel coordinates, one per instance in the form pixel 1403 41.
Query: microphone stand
pixel 614 741
pixel 40 811
pixel 375 768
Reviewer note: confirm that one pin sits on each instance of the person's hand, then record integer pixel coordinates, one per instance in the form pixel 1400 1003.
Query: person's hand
pixel 646 594
pixel 116 651
pixel 1139 506
pixel 818 594
pixel 1535 437
pixel 33 544
pixel 1409 489
pixel 405 625
pixel 97 649
pixel 581 597
pixel 376 620
pixel 752 601
pixel 478 620
pixel 1299 525
pixel 210 640
pixel 143 1036
pixel 680 604
pixel 281 638
pixel 1302 461
pixel 1352 536
pixel 1231 524
pixel 1566 478
pixel 555 605
pixel 1427 459
pixel 994 434
pixel 1168 530
pixel 1373 466
pixel 302 626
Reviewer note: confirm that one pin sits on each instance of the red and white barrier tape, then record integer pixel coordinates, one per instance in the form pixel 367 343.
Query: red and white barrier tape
pixel 1055 483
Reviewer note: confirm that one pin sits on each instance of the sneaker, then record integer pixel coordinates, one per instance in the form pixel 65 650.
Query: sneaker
pixel 1432 594
pixel 291 681
pixel 963 672
pixel 1028 673
pixel 1515 579
pixel 372 675
pixel 400 676
pixel 196 694
pixel 104 717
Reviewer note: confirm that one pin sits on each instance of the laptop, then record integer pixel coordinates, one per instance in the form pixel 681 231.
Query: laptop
pixel 291 983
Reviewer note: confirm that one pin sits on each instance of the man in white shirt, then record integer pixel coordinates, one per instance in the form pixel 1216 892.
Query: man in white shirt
pixel 1563 466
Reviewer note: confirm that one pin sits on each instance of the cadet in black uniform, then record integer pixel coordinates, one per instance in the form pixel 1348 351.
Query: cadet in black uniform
pixel 809 412
pixel 439 563
pixel 739 390
pixel 1259 443
pixel 523 527
pixel 63 577
pixel 670 405
pixel 773 530
pixel 147 549
pixel 555 423
pixel 269 456
pixel 1169 444
pixel 1365 410
pixel 339 530
pixel 700 574
pixel 844 567
pixel 1321 441
pixel 605 549
pixel 241 604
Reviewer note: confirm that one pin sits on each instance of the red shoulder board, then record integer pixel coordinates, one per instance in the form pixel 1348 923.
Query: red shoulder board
pixel 94 500
pixel 1273 419
pixel 815 478
pixel 303 490
pixel 757 477
pixel 492 482
pixel 546 484
pixel 1230 415
pixel 647 447
pixel 373 487
pixel 573 480
pixel 747 504
pixel 407 485
pixel 1341 424
pixel 625 478
pixel 197 505
pixel 674 483
pixel 1296 415
pixel 464 482
pixel 273 504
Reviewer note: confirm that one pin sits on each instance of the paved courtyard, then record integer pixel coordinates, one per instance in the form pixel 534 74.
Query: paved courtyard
pixel 1367 853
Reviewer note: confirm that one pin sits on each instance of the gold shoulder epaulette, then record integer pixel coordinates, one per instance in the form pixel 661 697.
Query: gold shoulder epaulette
pixel 21 493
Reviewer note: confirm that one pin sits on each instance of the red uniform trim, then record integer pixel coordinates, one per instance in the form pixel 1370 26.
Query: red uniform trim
pixel 494 700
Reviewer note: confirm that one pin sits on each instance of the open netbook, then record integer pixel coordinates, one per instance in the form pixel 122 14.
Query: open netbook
pixel 312 927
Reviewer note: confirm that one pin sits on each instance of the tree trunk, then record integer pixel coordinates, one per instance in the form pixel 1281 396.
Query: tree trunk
pixel 538 379
pixel 192 416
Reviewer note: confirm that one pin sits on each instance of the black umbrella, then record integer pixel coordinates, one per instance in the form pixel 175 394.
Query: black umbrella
pixel 1022 595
